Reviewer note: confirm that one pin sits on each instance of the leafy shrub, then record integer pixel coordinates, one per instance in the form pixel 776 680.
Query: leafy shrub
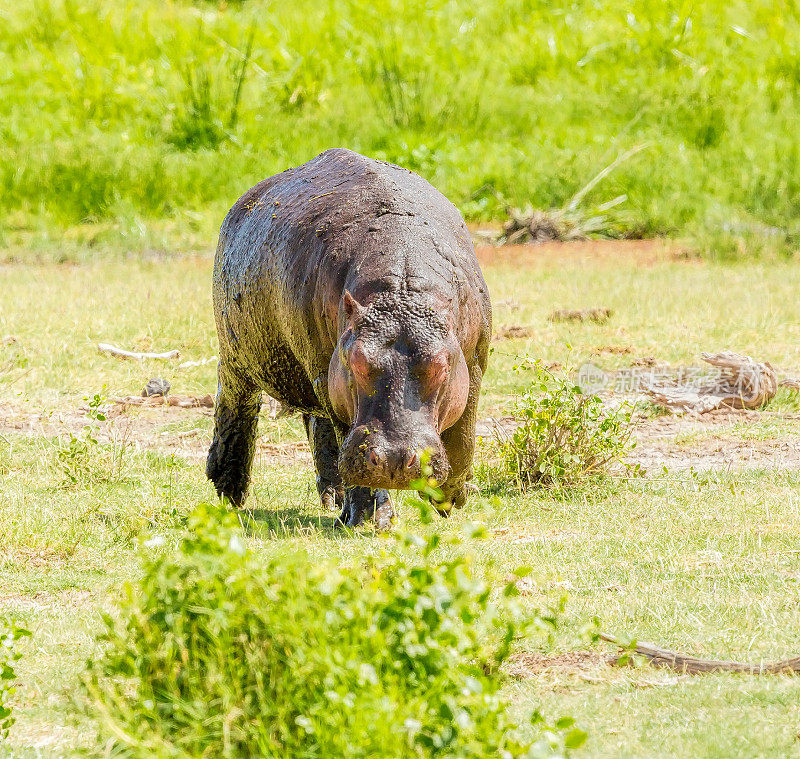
pixel 81 459
pixel 561 436
pixel 221 653
pixel 10 635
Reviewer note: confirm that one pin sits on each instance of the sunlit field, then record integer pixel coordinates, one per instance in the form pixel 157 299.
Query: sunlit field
pixel 650 148
pixel 702 561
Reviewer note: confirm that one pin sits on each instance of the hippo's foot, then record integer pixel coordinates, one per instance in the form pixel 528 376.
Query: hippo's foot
pixel 331 498
pixel 455 496
pixel 230 457
pixel 364 503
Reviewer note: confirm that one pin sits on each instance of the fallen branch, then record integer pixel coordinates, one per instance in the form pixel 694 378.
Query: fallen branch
pixel 742 383
pixel 134 356
pixel 201 362
pixel 663 657
pixel 181 401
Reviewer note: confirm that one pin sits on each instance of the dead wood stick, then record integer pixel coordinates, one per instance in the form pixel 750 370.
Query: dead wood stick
pixel 201 362
pixel 133 355
pixel 663 657
pixel 741 383
pixel 181 401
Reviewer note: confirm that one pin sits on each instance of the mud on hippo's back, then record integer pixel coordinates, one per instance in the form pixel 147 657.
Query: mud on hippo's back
pixel 348 289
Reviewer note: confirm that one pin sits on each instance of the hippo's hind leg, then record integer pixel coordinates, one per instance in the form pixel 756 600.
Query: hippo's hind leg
pixel 230 457
pixel 325 450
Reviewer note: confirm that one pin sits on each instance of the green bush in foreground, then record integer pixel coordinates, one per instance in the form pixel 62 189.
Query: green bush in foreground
pixel 221 653
pixel 10 635
pixel 562 436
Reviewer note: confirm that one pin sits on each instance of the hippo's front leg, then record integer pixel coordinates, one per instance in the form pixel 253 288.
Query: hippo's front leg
pixel 362 503
pixel 459 442
pixel 325 451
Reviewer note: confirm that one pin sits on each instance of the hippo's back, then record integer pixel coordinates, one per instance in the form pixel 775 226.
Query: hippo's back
pixel 334 192
pixel 292 245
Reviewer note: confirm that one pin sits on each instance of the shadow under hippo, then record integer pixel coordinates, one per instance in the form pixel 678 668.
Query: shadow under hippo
pixel 348 289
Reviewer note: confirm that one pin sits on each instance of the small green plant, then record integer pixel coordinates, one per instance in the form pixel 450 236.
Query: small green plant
pixel 75 459
pixel 220 653
pixel 82 458
pixel 561 436
pixel 10 636
pixel 16 360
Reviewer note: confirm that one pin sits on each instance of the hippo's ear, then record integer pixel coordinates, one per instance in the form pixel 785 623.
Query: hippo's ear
pixel 352 308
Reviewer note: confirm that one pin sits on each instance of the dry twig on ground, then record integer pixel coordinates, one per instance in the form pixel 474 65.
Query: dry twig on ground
pixel 134 355
pixel 201 362
pixel 663 657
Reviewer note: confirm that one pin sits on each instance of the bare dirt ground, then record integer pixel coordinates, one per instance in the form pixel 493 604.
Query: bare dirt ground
pixel 723 440
pixel 733 440
pixel 146 428
pixel 528 664
pixel 613 252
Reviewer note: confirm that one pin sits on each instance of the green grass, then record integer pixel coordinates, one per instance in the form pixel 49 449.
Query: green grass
pixel 134 124
pixel 702 563
pixel 669 311
pixel 710 567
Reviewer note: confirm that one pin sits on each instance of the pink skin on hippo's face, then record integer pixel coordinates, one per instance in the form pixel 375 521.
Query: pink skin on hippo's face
pixel 398 379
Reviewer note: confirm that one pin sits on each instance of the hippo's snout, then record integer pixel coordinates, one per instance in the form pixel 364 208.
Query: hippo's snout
pixel 394 462
pixel 373 459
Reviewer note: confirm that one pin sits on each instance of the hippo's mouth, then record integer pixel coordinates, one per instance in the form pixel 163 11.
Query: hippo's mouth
pixel 357 470
pixel 386 482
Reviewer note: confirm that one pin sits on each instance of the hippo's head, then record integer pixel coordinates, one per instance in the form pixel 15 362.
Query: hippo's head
pixel 398 378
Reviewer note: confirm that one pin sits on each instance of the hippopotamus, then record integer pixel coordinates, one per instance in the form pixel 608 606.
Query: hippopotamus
pixel 348 290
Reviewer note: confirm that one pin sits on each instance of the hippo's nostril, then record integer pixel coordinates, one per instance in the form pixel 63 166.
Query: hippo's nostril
pixel 374 458
pixel 412 461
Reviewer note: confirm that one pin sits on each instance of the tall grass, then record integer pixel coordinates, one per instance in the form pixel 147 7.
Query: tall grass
pixel 136 109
